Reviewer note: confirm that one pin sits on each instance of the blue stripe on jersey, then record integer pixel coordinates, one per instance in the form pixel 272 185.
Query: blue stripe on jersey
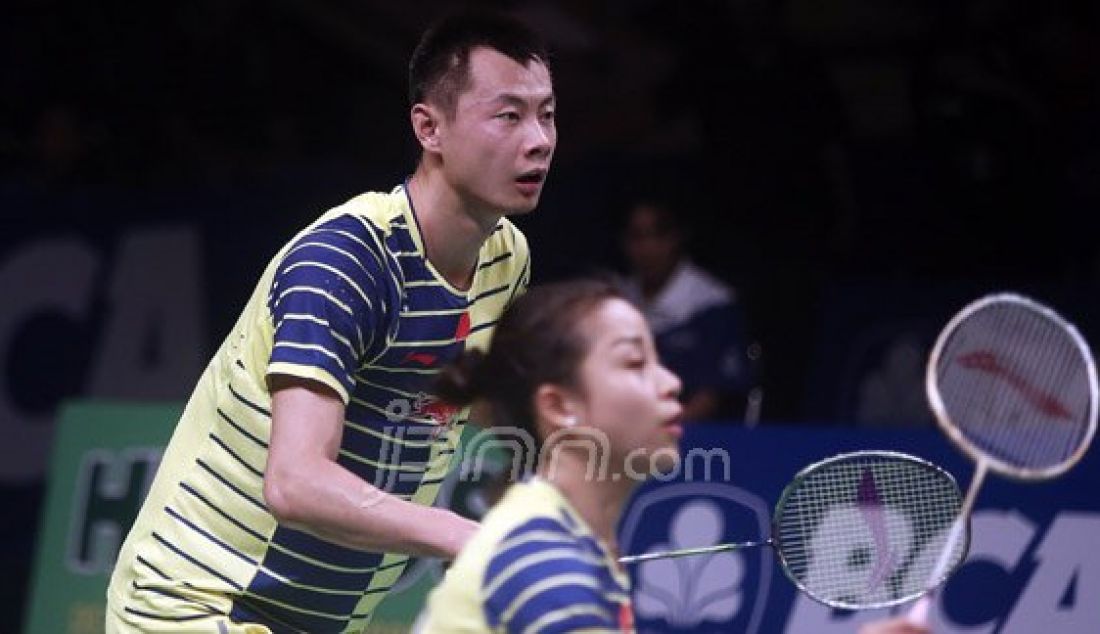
pixel 244 432
pixel 418 327
pixel 273 589
pixel 407 459
pixel 331 296
pixel 427 296
pixel 198 605
pixel 325 551
pixel 570 624
pixel 159 617
pixel 232 520
pixel 544 549
pixel 496 260
pixel 536 607
pixel 549 622
pixel 334 575
pixel 229 485
pixel 209 537
pixel 421 360
pixel 522 282
pixel 236 457
pixel 175 549
pixel 489 293
pixel 150 566
pixel 247 403
pixel 556 533
pixel 391 481
pixel 480 327
pixel 245 610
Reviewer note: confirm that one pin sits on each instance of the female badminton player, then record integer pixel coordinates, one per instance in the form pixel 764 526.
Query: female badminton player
pixel 572 369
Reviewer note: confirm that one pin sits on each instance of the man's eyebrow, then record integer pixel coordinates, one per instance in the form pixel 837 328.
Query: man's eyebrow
pixel 512 99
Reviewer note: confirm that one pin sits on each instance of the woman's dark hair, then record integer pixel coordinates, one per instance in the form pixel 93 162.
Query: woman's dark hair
pixel 439 69
pixel 539 340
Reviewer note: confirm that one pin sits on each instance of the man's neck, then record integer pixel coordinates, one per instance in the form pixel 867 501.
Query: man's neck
pixel 452 232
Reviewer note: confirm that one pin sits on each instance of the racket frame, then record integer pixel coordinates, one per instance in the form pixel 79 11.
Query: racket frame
pixel 810 469
pixel 943 419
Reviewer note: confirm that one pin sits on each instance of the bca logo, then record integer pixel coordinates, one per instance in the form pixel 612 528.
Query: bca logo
pixel 714 593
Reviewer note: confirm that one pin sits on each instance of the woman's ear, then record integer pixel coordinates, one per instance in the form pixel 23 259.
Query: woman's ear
pixel 556 407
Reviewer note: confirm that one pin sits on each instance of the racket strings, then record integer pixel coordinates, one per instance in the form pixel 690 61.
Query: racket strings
pixel 1015 383
pixel 854 533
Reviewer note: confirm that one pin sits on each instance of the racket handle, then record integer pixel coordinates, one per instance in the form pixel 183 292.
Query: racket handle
pixel 918 614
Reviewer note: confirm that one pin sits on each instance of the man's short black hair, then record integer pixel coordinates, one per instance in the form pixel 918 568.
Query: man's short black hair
pixel 439 68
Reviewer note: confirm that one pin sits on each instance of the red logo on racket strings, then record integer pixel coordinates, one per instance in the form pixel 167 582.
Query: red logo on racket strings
pixel 871 507
pixel 986 361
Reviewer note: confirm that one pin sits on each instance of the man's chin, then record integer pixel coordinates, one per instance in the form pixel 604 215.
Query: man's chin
pixel 523 206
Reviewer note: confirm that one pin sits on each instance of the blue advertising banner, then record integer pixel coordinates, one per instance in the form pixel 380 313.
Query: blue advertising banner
pixel 1032 566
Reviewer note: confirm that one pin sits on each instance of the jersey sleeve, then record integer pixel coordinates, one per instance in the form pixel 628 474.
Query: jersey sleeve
pixel 328 302
pixel 541 582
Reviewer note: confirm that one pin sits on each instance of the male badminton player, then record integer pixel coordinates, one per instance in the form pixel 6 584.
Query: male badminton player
pixel 300 476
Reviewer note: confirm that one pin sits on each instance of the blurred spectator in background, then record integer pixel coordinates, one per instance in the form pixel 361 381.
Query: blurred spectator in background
pixel 695 317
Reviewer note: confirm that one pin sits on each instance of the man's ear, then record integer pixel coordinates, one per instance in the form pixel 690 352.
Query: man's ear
pixel 556 407
pixel 425 123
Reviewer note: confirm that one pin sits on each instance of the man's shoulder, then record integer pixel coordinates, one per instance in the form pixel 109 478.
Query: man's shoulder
pixel 366 222
pixel 505 256
pixel 507 236
pixel 381 212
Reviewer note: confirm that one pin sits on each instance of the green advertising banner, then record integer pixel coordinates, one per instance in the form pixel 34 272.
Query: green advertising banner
pixel 104 458
pixel 103 462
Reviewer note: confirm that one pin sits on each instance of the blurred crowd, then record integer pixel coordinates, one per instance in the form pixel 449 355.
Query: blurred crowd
pixel 805 143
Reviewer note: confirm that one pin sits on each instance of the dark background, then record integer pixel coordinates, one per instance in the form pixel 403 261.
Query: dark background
pixel 857 169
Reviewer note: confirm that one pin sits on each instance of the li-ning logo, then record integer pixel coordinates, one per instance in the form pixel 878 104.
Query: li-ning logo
pixel 986 361
pixel 684 593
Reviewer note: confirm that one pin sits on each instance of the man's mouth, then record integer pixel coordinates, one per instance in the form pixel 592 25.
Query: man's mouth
pixel 533 177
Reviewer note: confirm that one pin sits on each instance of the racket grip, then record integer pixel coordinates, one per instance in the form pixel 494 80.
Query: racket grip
pixel 918 614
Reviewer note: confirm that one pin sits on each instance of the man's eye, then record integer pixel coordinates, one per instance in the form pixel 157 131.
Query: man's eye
pixel 509 116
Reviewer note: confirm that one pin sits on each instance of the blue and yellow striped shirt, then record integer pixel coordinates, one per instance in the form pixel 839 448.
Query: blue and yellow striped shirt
pixel 351 302
pixel 533 567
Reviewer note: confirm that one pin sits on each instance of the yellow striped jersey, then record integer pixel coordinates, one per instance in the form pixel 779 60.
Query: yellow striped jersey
pixel 351 302
pixel 533 567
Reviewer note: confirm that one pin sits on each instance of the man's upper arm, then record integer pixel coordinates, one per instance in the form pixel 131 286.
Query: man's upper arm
pixel 308 420
pixel 328 303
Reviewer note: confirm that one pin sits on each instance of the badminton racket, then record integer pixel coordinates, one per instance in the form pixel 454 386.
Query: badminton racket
pixel 1013 385
pixel 860 530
